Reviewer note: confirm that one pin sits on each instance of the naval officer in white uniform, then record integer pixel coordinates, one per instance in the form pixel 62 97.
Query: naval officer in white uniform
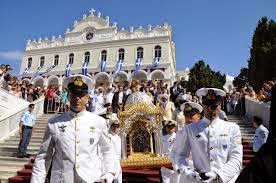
pixel 215 145
pixel 167 144
pixel 71 141
pixel 117 145
pixel 192 112
pixel 169 139
pixel 261 133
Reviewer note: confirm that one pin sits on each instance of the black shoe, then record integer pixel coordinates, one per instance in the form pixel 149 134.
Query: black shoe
pixel 27 156
pixel 20 156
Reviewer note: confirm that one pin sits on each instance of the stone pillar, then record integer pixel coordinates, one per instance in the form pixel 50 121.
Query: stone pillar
pixel 148 74
pixel 111 79
pixel 60 80
pixel 124 145
pixel 129 79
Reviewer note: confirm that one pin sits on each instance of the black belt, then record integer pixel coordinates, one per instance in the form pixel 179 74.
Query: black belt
pixel 27 127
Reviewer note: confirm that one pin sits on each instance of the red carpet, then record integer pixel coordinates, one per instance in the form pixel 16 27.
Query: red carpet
pixel 248 153
pixel 129 175
pixel 151 175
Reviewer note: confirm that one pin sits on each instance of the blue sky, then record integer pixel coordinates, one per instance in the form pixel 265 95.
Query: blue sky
pixel 217 31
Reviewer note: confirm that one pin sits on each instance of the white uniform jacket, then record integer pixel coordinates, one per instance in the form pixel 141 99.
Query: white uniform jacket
pixel 168 141
pixel 215 146
pixel 70 142
pixel 260 137
pixel 117 145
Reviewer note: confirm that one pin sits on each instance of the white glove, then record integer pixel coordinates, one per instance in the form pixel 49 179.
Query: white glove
pixel 191 173
pixel 108 178
pixel 195 175
pixel 212 176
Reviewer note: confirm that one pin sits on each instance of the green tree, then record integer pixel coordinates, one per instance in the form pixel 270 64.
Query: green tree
pixel 262 61
pixel 202 75
pixel 241 80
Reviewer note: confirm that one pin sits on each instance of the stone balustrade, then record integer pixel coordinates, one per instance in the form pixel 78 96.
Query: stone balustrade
pixel 12 108
pixel 255 107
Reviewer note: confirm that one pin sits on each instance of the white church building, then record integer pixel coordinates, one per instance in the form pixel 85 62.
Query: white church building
pixel 102 51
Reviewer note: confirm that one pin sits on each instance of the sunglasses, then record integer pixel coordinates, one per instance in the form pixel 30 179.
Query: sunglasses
pixel 213 106
pixel 78 93
pixel 189 115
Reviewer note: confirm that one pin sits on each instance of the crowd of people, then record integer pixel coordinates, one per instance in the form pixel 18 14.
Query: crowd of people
pixel 13 85
pixel 201 144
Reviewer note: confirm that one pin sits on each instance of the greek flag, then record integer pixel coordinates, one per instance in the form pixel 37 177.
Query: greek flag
pixel 156 62
pixel 119 66
pixel 25 71
pixel 48 70
pixel 67 70
pixel 137 66
pixel 103 65
pixel 84 68
pixel 37 72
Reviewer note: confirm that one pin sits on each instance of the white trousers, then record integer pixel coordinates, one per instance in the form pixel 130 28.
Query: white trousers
pixel 118 178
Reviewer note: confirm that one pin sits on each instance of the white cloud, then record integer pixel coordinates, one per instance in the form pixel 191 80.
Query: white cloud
pixel 11 55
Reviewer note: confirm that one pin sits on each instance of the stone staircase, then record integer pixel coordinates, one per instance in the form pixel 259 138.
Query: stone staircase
pixel 247 131
pixel 19 170
pixel 10 165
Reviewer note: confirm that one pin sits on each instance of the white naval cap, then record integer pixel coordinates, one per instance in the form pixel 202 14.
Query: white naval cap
pixel 191 108
pixel 204 91
pixel 170 122
pixel 113 119
pixel 210 96
pixel 78 81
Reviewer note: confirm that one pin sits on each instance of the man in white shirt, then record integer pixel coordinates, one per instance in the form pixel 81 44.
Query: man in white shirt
pixel 167 142
pixel 109 95
pixel 116 141
pixel 71 142
pixel 118 99
pixel 215 145
pixel 169 139
pixel 261 133
pixel 192 112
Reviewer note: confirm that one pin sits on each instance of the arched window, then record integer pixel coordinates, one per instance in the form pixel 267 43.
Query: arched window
pixel 56 58
pixel 121 54
pixel 42 61
pixel 140 52
pixel 30 62
pixel 157 51
pixel 87 56
pixel 71 58
pixel 103 55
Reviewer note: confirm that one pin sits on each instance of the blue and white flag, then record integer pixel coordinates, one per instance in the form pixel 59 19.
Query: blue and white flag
pixel 156 62
pixel 119 66
pixel 26 71
pixel 103 65
pixel 67 70
pixel 37 72
pixel 84 68
pixel 48 70
pixel 137 66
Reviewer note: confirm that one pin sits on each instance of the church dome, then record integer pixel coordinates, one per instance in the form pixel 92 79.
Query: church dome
pixel 139 97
